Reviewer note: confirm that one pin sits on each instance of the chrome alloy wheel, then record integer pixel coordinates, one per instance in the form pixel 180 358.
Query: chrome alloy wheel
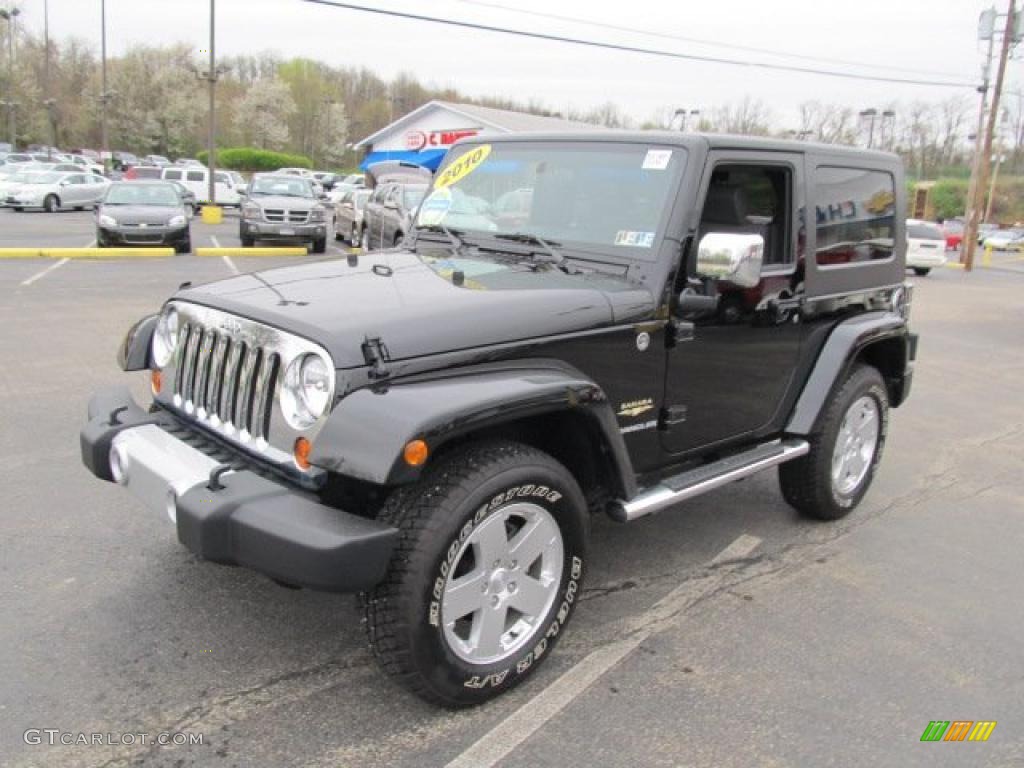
pixel 855 446
pixel 502 583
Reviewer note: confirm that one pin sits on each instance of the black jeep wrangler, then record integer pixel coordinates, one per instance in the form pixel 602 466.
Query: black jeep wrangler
pixel 601 322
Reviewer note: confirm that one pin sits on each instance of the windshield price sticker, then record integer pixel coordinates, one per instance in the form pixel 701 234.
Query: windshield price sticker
pixel 462 167
pixel 435 208
pixel 657 159
pixel 635 239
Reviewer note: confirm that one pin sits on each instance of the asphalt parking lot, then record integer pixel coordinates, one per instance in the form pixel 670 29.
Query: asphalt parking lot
pixel 726 632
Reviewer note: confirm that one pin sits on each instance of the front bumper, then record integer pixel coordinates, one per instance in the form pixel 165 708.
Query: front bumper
pixel 262 230
pixel 142 235
pixel 226 512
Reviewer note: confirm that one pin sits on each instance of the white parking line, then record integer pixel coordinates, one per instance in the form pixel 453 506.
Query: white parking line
pixel 227 259
pixel 45 272
pixel 497 743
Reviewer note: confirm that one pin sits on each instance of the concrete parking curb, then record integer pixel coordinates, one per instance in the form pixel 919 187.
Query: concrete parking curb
pixel 253 251
pixel 85 253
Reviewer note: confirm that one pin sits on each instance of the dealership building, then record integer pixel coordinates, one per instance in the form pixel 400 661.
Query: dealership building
pixel 424 135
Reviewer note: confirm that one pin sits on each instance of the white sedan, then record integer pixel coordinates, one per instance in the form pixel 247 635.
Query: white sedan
pixel 1005 240
pixel 55 191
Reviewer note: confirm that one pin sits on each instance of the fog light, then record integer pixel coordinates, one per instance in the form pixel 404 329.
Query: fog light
pixel 155 380
pixel 415 453
pixel 172 505
pixel 118 465
pixel 302 450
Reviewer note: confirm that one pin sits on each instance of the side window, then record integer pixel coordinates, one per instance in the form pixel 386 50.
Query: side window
pixel 172 175
pixel 854 216
pixel 220 178
pixel 756 200
pixel 196 176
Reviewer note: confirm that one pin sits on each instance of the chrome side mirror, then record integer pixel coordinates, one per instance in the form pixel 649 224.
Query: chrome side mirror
pixel 732 257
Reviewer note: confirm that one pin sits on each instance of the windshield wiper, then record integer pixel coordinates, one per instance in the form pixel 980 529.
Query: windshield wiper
pixel 551 256
pixel 454 236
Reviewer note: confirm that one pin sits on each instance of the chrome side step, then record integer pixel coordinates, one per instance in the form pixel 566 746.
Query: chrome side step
pixel 706 478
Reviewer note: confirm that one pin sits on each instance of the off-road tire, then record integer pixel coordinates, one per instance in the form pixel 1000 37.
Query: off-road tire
pixel 247 242
pixel 806 482
pixel 922 271
pixel 51 204
pixel 185 246
pixel 320 246
pixel 454 498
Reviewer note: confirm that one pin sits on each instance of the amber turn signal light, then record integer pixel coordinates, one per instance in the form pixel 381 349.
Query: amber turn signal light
pixel 302 449
pixel 415 453
pixel 155 380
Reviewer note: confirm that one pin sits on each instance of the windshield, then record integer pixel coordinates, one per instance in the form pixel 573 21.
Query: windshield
pixel 292 186
pixel 142 194
pixel 924 232
pixel 608 195
pixel 413 194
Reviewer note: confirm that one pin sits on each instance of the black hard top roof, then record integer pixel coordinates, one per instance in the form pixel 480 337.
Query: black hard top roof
pixel 686 140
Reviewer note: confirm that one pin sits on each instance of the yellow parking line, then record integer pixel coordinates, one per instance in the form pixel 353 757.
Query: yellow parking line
pixel 85 253
pixel 256 251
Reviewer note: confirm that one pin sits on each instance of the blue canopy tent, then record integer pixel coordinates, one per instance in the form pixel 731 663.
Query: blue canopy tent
pixel 428 158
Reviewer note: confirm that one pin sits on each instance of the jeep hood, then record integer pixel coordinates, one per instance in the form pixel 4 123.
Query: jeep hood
pixel 412 303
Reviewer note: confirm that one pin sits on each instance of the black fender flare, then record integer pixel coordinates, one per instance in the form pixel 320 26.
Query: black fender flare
pixel 133 354
pixel 848 339
pixel 366 433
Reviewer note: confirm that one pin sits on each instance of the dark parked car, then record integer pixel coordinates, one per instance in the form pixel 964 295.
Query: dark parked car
pixel 143 213
pixel 398 188
pixel 283 208
pixel 434 426
pixel 187 196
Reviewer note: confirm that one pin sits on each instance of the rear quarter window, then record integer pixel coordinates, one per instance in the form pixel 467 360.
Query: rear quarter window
pixel 196 176
pixel 855 216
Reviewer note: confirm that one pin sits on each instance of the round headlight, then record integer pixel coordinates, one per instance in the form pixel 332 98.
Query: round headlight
pixel 165 337
pixel 305 390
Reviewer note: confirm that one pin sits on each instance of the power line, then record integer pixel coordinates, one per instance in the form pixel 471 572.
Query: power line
pixel 699 41
pixel 636 49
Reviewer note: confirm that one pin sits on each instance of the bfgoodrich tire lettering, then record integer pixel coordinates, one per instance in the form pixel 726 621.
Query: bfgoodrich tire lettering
pixel 808 483
pixel 437 517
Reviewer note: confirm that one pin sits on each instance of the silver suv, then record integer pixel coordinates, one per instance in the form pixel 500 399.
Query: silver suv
pixel 281 208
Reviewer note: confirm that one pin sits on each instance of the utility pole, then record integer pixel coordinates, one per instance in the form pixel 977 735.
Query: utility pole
pixel 982 160
pixel 972 236
pixel 870 115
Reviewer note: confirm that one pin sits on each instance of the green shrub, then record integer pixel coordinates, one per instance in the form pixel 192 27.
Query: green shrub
pixel 255 160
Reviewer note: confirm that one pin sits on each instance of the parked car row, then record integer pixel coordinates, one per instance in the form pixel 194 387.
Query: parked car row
pixel 51 190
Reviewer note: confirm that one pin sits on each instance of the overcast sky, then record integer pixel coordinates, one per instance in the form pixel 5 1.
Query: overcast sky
pixel 936 36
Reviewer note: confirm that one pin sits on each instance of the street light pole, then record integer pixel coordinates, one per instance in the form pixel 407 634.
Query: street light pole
pixel 49 101
pixel 10 15
pixel 211 147
pixel 871 113
pixel 104 95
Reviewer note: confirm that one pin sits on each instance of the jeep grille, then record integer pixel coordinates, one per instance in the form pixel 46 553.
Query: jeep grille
pixel 225 379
